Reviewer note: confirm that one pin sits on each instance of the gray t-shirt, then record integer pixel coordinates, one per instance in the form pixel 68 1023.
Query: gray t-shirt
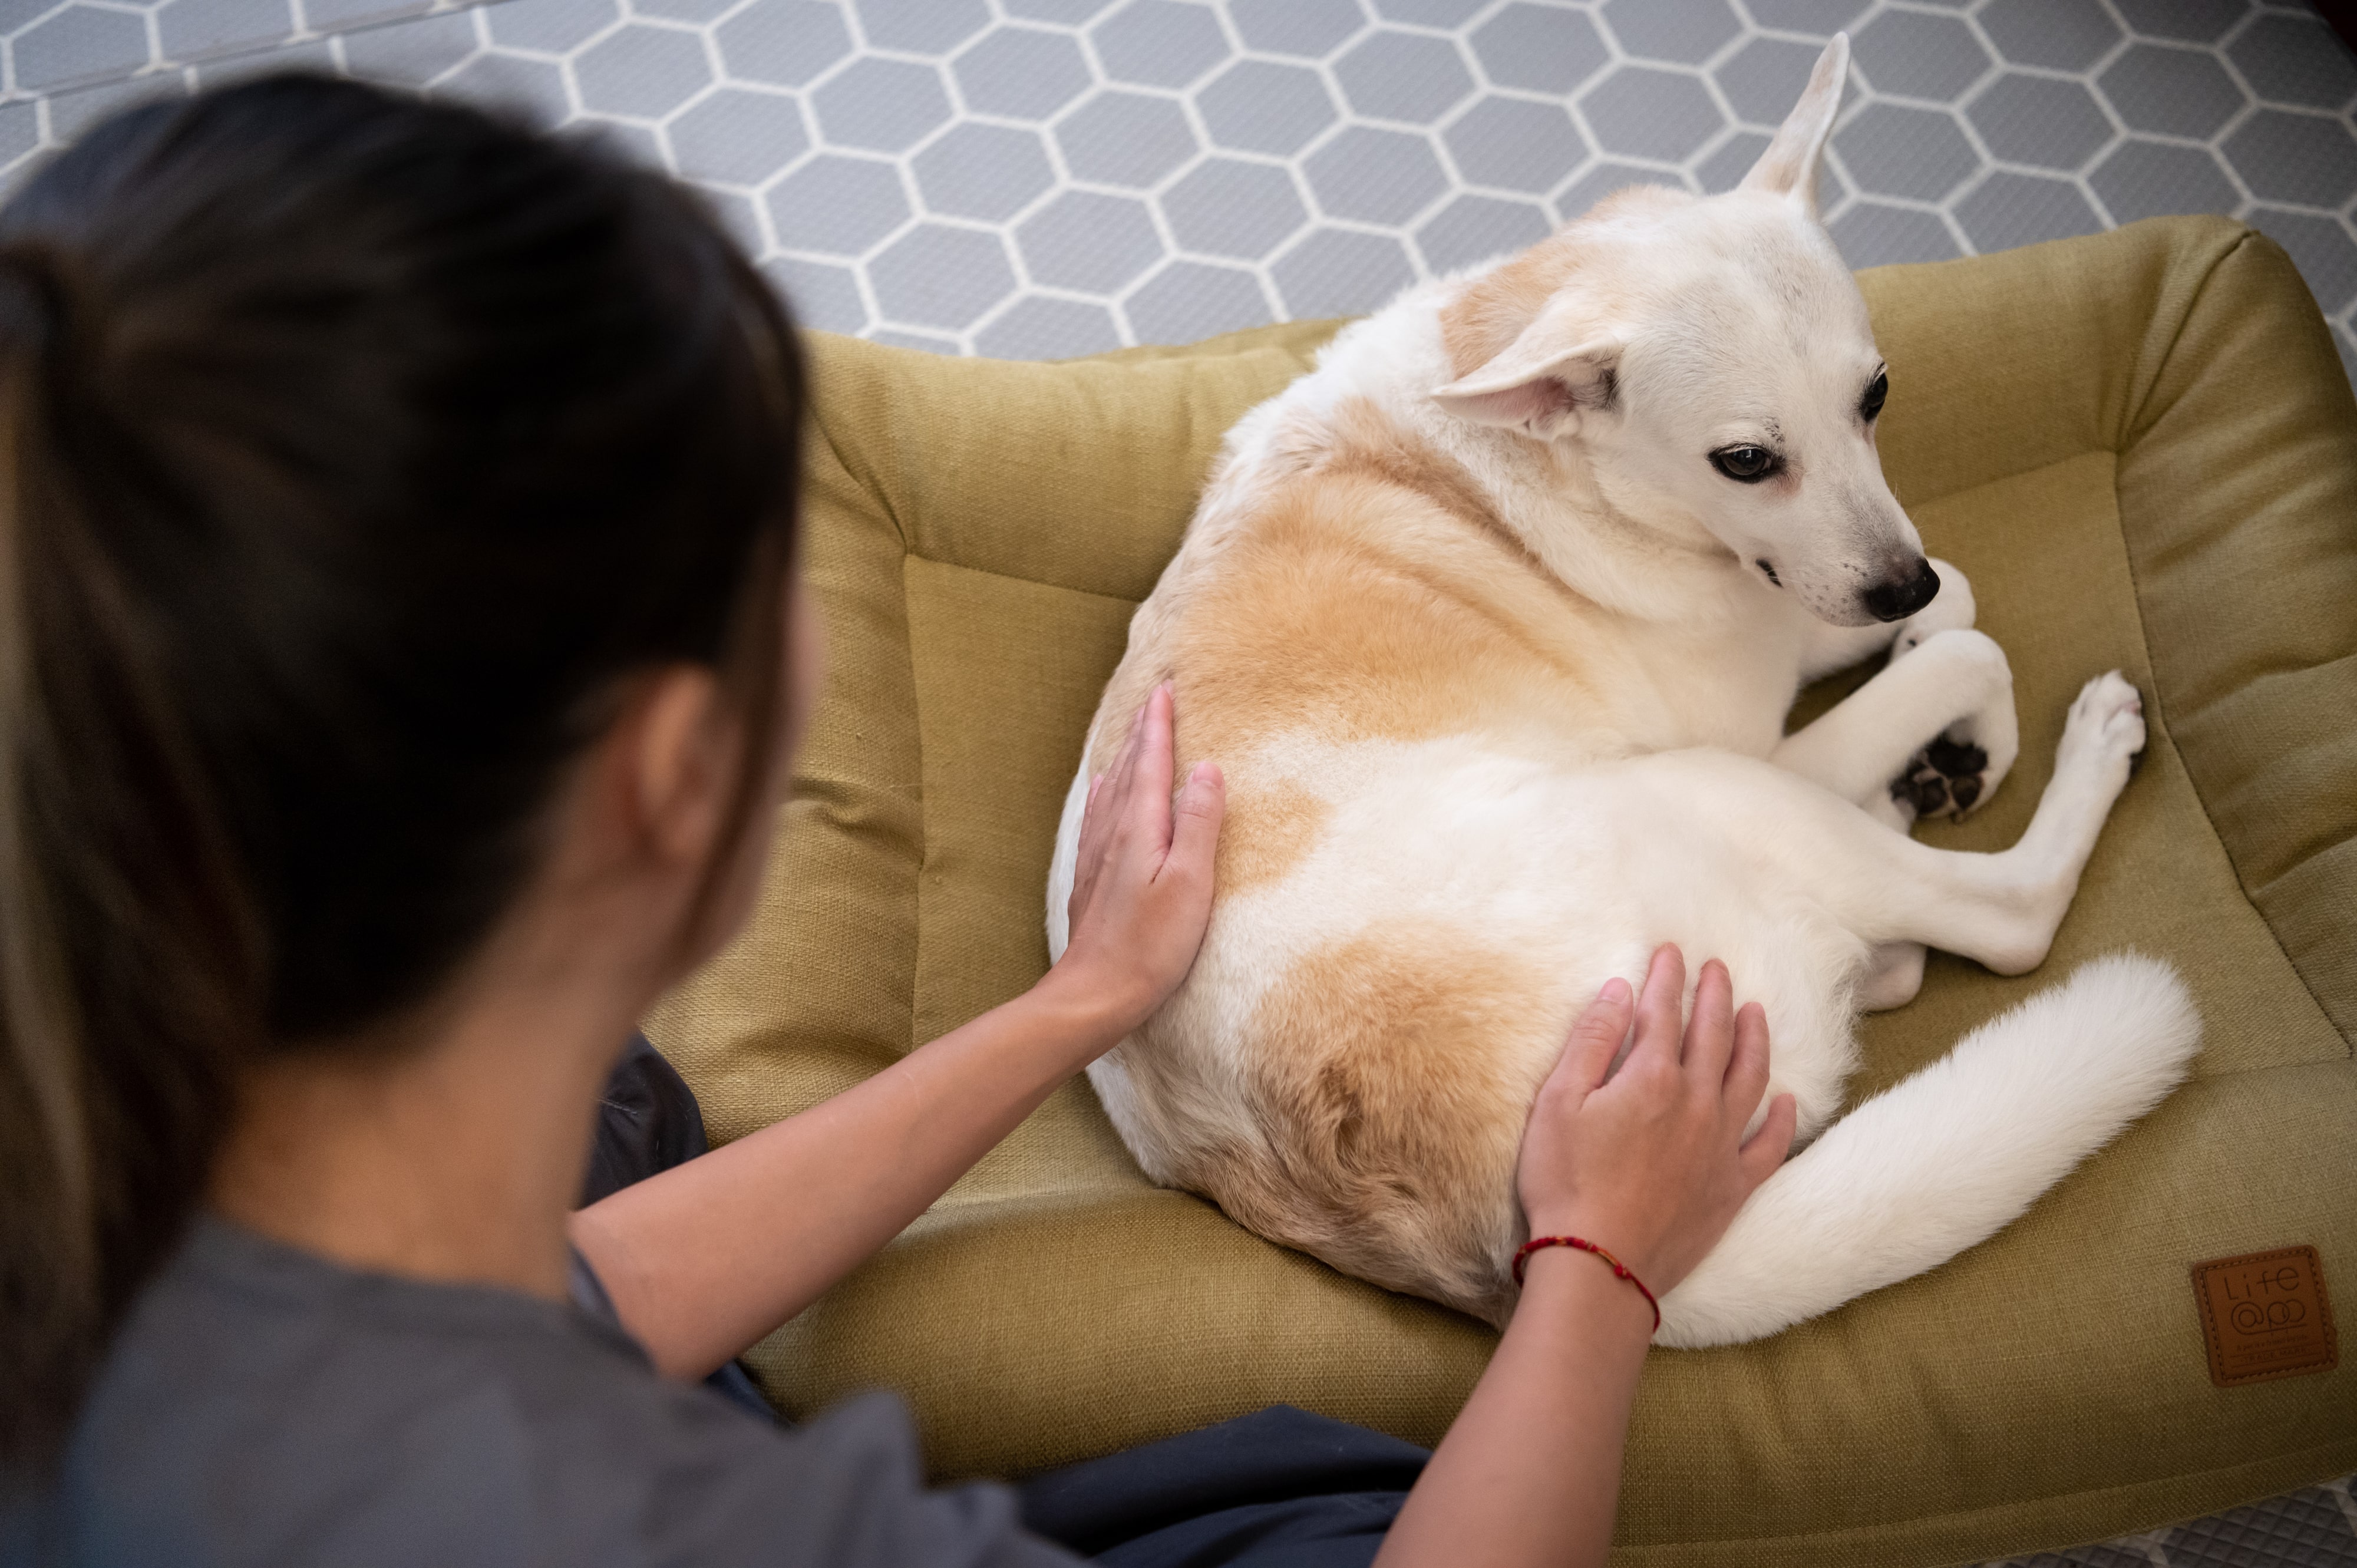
pixel 262 1405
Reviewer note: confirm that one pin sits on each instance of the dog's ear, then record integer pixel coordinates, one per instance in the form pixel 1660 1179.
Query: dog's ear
pixel 1789 167
pixel 1540 382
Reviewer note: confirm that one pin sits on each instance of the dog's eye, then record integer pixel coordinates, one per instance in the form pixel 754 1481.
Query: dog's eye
pixel 1871 403
pixel 1744 465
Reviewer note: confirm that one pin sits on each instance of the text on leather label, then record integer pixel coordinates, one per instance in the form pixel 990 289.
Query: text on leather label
pixel 2265 1316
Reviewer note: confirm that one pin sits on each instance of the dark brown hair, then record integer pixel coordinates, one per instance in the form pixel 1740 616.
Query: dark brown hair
pixel 352 451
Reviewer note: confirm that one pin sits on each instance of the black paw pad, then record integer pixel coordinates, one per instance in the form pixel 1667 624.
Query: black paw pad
pixel 1944 778
pixel 1957 758
pixel 1922 788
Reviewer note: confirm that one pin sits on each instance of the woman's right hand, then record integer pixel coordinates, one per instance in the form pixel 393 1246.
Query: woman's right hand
pixel 1653 1163
pixel 1650 1165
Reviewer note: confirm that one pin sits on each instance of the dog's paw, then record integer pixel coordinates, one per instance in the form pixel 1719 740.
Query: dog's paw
pixel 1946 779
pixel 2105 725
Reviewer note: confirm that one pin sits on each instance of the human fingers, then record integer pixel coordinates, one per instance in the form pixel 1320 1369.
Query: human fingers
pixel 1710 1030
pixel 1089 851
pixel 1102 813
pixel 1101 819
pixel 1766 1149
pixel 1120 776
pixel 1195 832
pixel 1747 1066
pixel 1658 1010
pixel 1151 768
pixel 1595 1039
pixel 1093 821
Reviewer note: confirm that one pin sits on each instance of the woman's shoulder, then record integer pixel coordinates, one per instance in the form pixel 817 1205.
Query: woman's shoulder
pixel 264 1405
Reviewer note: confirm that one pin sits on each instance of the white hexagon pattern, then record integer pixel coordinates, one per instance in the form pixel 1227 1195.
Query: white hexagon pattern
pixel 1035 178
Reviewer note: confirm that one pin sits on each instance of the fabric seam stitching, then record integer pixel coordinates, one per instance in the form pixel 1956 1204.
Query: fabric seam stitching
pixel 2136 584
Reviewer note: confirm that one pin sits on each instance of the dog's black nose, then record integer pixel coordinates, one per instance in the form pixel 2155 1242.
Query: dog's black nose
pixel 1902 597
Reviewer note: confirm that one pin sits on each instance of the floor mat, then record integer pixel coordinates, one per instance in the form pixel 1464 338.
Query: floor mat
pixel 1035 178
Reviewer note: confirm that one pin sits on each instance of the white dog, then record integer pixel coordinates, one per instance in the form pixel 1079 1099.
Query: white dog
pixel 1492 622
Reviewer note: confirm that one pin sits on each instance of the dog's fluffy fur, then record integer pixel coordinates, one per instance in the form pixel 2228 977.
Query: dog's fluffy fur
pixel 1496 657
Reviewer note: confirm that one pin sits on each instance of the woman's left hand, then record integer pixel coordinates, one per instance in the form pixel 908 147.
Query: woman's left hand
pixel 1142 889
pixel 826 1188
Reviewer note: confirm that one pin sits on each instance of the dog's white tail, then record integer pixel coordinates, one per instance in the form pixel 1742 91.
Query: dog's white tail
pixel 1938 1162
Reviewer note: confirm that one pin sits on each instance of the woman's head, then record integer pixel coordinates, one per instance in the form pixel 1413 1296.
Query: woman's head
pixel 354 453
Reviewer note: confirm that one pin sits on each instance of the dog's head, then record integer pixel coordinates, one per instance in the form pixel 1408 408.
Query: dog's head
pixel 1712 360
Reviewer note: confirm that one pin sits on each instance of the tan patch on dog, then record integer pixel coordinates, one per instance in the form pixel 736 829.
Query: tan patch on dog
pixel 1290 526
pixel 1390 1077
pixel 1267 832
pixel 1372 594
pixel 1313 621
pixel 1494 308
pixel 1352 608
pixel 1492 312
pixel 1634 202
pixel 1365 442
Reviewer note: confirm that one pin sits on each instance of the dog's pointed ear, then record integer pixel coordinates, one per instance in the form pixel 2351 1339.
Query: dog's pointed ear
pixel 1541 382
pixel 1789 167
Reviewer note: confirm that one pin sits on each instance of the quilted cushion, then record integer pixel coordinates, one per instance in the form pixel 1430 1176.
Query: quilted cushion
pixel 2142 449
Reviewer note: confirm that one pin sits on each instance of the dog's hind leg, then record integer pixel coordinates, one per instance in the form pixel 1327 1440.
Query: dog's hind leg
pixel 1939 1162
pixel 2003 910
pixel 1934 731
pixel 1885 888
pixel 1894 974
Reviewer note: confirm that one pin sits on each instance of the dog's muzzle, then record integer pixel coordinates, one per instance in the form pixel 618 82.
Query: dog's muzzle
pixel 1902 597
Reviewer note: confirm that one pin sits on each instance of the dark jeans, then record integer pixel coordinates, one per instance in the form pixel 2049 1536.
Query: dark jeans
pixel 1279 1487
pixel 646 1121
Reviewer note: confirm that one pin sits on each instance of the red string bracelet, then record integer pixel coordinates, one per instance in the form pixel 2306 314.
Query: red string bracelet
pixel 1620 1268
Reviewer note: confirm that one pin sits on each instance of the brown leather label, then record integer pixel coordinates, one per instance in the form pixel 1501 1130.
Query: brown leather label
pixel 2265 1316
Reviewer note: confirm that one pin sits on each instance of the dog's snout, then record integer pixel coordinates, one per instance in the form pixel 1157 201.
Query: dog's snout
pixel 1901 596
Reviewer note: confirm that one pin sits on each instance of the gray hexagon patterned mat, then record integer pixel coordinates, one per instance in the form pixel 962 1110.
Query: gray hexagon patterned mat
pixel 1043 178
pixel 1034 178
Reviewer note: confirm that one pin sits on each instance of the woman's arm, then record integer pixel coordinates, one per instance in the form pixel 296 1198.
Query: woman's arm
pixel 1651 1166
pixel 704 1259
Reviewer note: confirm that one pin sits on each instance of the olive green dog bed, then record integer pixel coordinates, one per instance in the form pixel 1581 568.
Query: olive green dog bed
pixel 2142 450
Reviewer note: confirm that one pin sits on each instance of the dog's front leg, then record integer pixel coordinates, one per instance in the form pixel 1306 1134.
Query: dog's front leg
pixel 1831 648
pixel 1946 707
pixel 1827 648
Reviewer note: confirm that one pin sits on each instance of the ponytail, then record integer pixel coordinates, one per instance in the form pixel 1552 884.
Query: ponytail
pixel 49 1264
pixel 127 949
